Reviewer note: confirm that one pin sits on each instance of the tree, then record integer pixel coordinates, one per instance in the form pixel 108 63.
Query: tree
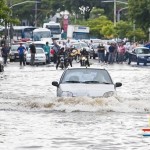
pixel 122 28
pixel 96 12
pixel 138 34
pixel 4 12
pixel 139 12
pixel 83 7
pixel 97 27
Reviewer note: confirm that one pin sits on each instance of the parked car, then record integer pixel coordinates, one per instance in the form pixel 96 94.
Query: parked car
pixel 40 57
pixel 41 44
pixel 1 64
pixel 93 50
pixel 13 53
pixel 91 82
pixel 80 46
pixel 139 55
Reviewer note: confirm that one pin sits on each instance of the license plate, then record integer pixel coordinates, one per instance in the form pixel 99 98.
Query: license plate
pixel 17 56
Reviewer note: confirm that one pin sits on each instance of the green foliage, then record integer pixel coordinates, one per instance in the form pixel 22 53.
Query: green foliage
pixel 97 27
pixel 122 28
pixel 139 11
pixel 96 12
pixel 138 34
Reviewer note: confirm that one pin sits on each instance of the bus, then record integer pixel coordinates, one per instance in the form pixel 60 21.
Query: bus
pixel 19 32
pixel 42 34
pixel 55 29
pixel 78 32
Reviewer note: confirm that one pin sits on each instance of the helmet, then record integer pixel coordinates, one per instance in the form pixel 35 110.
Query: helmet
pixel 84 49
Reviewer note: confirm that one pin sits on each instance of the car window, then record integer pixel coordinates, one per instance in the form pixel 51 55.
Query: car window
pixel 77 46
pixel 39 45
pixel 95 46
pixel 84 75
pixel 38 51
pixel 84 45
pixel 15 47
pixel 143 51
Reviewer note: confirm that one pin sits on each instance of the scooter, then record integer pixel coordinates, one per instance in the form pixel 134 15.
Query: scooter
pixel 83 61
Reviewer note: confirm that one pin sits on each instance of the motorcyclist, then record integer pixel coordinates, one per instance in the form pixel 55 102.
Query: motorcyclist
pixel 60 53
pixel 84 53
pixel 68 57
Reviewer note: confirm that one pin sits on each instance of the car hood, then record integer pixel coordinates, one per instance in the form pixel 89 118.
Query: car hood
pixel 39 54
pixel 91 90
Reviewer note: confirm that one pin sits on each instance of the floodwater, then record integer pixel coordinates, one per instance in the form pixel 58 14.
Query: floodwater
pixel 33 118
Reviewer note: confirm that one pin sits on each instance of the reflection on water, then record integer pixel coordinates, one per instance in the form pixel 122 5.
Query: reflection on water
pixel 32 117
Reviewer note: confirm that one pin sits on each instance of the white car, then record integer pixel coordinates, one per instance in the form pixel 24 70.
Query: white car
pixel 40 57
pixel 91 82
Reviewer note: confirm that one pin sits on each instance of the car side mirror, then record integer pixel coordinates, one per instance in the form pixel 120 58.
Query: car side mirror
pixel 118 84
pixel 55 83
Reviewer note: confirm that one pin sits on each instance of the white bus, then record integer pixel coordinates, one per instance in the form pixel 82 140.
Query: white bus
pixel 78 32
pixel 55 29
pixel 42 34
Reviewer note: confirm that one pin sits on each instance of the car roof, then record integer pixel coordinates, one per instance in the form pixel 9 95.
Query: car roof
pixel 73 68
pixel 39 42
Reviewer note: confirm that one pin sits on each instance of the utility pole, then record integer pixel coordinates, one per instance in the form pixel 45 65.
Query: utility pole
pixel 35 14
pixel 115 9
pixel 115 5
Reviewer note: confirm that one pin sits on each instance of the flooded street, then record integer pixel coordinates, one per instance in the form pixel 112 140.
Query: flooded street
pixel 33 118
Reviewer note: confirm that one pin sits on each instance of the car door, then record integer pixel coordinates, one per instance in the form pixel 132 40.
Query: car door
pixel 134 55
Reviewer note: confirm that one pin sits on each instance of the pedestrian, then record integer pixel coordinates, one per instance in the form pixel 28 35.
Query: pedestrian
pixel 47 51
pixel 33 52
pixel 121 53
pixel 56 49
pixel 111 53
pixel 21 50
pixel 101 53
pixel 4 52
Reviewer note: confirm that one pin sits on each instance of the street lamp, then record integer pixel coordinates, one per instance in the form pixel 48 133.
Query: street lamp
pixel 25 3
pixel 118 13
pixel 21 4
pixel 115 6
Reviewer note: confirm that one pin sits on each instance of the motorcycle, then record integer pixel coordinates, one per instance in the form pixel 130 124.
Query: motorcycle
pixel 62 62
pixel 1 64
pixel 84 61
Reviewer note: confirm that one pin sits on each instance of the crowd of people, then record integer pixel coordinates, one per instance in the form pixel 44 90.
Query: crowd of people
pixel 106 52
pixel 111 52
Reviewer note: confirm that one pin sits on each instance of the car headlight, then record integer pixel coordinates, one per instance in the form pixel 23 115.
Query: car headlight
pixel 109 94
pixel 67 94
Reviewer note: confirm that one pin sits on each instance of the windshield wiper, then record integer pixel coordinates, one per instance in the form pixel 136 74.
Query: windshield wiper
pixel 91 82
pixel 105 83
pixel 72 81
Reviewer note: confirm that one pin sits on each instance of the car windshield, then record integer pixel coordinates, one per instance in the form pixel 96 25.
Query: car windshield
pixel 95 46
pixel 77 46
pixel 38 51
pixel 15 47
pixel 39 45
pixel 143 51
pixel 84 45
pixel 86 75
